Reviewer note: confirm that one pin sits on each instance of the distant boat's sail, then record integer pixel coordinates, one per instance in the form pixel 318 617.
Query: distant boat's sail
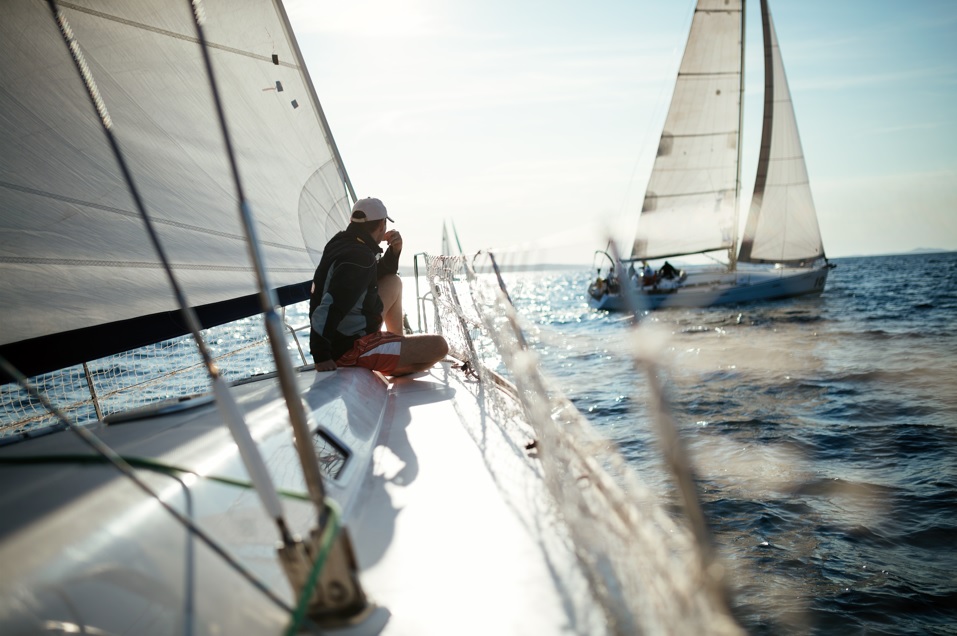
pixel 782 224
pixel 446 247
pixel 447 242
pixel 69 233
pixel 691 201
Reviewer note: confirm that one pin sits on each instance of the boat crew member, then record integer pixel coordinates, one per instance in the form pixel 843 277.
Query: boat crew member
pixel 668 271
pixel 647 274
pixel 356 291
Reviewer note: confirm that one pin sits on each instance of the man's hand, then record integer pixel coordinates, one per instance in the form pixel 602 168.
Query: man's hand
pixel 327 365
pixel 394 239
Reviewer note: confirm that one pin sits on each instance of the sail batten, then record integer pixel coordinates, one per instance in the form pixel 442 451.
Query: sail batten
pixel 69 230
pixel 701 135
pixel 683 194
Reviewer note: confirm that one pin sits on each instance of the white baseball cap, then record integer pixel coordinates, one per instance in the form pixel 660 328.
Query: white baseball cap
pixel 369 209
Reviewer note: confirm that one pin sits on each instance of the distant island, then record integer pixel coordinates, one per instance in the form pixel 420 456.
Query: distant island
pixel 914 252
pixel 926 250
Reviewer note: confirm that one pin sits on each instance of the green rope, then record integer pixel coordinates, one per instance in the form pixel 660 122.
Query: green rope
pixel 326 541
pixel 329 534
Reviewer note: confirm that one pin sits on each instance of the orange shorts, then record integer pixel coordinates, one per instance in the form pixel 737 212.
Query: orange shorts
pixel 378 351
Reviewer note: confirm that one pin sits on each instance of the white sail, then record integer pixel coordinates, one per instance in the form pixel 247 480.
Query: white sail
pixel 690 203
pixel 446 247
pixel 782 224
pixel 69 231
pixel 690 206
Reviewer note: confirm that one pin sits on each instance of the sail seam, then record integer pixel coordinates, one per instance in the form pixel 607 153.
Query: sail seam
pixel 694 135
pixel 35 260
pixel 173 34
pixel 683 194
pixel 133 215
pixel 718 74
pixel 653 256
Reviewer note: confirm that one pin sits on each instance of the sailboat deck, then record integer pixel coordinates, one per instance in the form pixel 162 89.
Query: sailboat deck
pixel 443 541
pixel 447 512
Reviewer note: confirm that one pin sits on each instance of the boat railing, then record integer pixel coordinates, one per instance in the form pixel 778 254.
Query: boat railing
pixel 173 370
pixel 421 298
pixel 638 557
pixel 169 370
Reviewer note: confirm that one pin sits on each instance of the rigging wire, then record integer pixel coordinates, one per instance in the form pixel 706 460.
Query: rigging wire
pixel 124 467
pixel 284 369
pixel 676 456
pixel 227 405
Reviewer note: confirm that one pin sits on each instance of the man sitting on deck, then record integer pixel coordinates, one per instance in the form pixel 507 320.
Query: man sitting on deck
pixel 356 289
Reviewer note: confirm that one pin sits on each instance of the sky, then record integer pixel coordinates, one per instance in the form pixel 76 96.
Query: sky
pixel 532 125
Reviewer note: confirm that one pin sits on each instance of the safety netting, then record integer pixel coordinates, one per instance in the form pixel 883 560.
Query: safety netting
pixel 647 569
pixel 642 567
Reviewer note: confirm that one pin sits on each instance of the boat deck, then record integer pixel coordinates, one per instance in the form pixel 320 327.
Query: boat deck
pixel 448 514
pixel 443 542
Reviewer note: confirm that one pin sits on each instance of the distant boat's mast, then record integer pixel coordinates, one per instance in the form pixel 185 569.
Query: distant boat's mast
pixel 733 251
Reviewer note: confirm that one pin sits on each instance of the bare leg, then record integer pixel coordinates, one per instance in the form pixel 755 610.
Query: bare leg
pixel 390 291
pixel 420 353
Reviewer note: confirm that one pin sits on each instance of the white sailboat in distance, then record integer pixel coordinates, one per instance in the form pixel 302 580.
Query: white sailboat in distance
pixel 691 202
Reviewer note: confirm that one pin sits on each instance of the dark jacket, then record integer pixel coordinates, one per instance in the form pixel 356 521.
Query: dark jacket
pixel 344 304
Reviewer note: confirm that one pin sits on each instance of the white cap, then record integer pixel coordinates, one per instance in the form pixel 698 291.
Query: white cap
pixel 369 209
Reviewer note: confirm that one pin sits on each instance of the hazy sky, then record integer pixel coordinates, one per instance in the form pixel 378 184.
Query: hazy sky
pixel 532 125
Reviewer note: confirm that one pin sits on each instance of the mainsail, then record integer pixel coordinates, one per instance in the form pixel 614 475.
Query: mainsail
pixel 782 224
pixel 68 229
pixel 690 205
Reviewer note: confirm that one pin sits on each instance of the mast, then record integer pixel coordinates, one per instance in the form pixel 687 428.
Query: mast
pixel 733 250
pixel 767 130
pixel 782 222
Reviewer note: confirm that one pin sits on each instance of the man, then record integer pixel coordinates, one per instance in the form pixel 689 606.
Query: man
pixel 355 290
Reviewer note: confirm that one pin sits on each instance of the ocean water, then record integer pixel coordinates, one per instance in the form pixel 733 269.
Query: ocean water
pixel 823 433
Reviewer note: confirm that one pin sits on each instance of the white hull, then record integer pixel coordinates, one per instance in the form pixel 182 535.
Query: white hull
pixel 706 289
pixel 692 199
pixel 85 551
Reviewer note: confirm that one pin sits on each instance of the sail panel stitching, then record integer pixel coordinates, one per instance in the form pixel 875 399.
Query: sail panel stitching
pixel 173 34
pixel 78 262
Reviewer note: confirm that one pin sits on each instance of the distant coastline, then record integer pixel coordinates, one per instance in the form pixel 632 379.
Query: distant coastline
pixel 555 267
pixel 532 267
pixel 927 250
pixel 914 252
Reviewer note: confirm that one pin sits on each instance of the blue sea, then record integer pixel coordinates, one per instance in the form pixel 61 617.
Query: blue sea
pixel 823 433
